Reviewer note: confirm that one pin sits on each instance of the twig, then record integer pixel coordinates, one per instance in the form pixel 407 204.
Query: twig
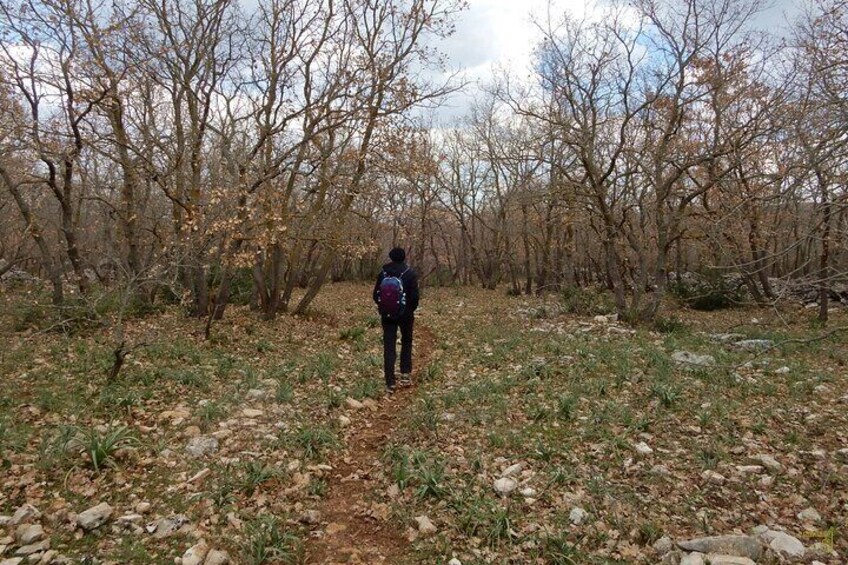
pixel 121 353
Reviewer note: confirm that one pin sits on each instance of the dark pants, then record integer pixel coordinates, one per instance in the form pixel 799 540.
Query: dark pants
pixel 390 330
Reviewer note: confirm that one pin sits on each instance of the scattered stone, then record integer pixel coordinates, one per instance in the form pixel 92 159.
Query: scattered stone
pixel 196 554
pixel 841 454
pixel 201 446
pixel 94 517
pixel 344 421
pixel 809 515
pixel 768 462
pixel 334 528
pixel 36 547
pixel 782 370
pixel 164 527
pixel 25 513
pixel 577 516
pixel 742 546
pixel 12 561
pixel 311 517
pixel 371 404
pixel 505 485
pixel 256 394
pixel 217 557
pixel 785 545
pixel 718 559
pixel 142 507
pixel 819 454
pixel 689 358
pixel 222 434
pixel 130 519
pixel 713 478
pixel 354 403
pixel 29 533
pixel 643 448
pixel 663 545
pixel 601 320
pixel 176 416
pixel 454 561
pixel 750 469
pixel 49 558
pixel 754 344
pixel 660 470
pixel 513 470
pixel 693 559
pixel 759 531
pixel 672 558
pixel 425 526
pixel 251 413
pixel 726 337
pixel 820 549
pixel 528 492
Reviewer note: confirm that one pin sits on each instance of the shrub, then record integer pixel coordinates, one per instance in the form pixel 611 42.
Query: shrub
pixel 101 447
pixel 269 541
pixel 586 301
pixel 314 440
pixel 429 475
pixel 668 325
pixel 28 315
pixel 707 292
pixel 557 550
pixel 256 473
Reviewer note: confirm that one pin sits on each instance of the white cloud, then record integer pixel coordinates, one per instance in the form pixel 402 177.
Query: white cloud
pixel 496 35
pixel 493 36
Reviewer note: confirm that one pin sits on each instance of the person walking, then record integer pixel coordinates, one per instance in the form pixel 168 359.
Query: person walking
pixel 396 296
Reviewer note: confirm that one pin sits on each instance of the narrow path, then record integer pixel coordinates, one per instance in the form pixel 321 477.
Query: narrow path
pixel 353 531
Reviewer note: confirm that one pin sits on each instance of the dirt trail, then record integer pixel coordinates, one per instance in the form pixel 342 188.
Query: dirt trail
pixel 352 530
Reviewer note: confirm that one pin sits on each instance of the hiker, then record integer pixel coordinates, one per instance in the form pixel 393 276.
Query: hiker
pixel 396 296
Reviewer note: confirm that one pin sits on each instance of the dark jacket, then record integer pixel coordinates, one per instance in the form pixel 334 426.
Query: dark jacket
pixel 409 280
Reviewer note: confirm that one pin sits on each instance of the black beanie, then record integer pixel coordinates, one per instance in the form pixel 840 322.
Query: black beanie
pixel 397 255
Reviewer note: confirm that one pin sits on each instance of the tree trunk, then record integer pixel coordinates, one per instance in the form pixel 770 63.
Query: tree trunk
pixel 50 264
pixel 824 257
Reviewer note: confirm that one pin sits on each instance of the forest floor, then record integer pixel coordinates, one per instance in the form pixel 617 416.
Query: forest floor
pixel 532 435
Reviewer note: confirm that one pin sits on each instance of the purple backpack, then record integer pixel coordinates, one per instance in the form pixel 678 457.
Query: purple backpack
pixel 392 298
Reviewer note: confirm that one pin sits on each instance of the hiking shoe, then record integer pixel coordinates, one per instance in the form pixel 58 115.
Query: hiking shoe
pixel 390 390
pixel 405 380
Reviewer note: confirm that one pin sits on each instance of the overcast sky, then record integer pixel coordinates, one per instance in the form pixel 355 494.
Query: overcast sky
pixel 500 34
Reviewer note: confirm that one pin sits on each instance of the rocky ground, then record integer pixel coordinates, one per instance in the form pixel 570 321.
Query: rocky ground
pixel 532 436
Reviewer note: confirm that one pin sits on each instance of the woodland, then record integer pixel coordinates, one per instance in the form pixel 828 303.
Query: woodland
pixel 209 152
pixel 633 258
